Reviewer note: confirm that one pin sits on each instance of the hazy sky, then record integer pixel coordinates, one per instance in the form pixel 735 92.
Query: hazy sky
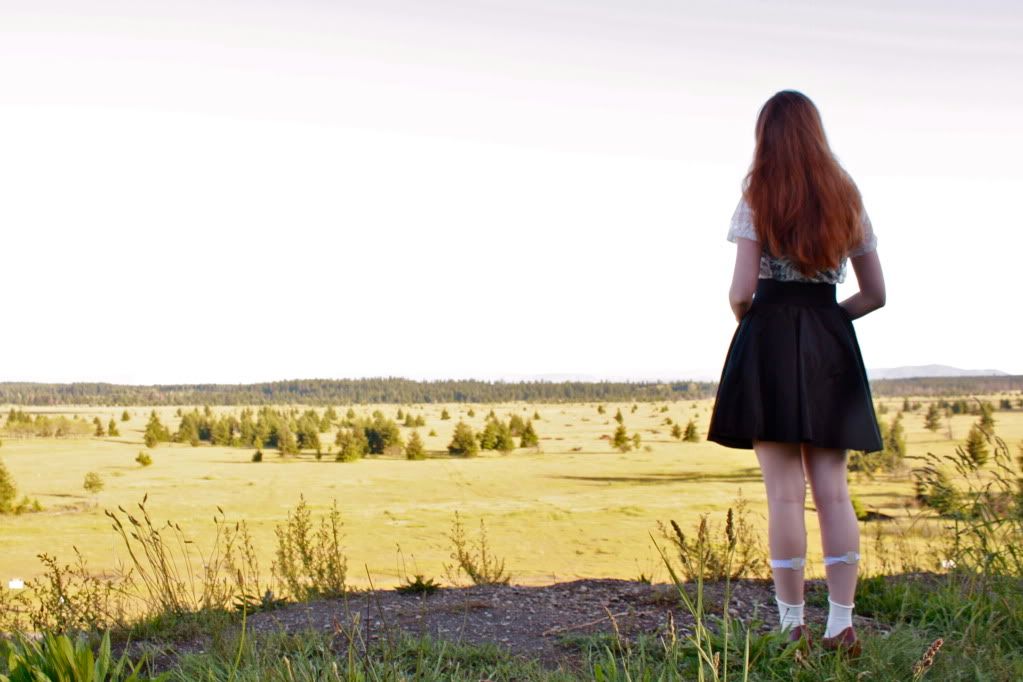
pixel 200 191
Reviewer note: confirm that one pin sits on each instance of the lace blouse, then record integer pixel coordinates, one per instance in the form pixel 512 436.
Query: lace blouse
pixel 781 268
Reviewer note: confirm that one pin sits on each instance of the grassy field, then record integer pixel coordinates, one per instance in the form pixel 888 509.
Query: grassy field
pixel 572 508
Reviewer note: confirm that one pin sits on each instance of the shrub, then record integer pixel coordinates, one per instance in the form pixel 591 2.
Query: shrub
pixel 414 448
pixel 620 439
pixel 143 459
pixel 712 555
pixel 691 435
pixel 125 416
pixel 8 490
pixel 93 483
pixel 932 420
pixel 352 444
pixel 57 657
pixel 310 562
pixel 463 441
pixel 257 456
pixel 476 560
pixel 444 414
pixel 112 429
pixel 529 438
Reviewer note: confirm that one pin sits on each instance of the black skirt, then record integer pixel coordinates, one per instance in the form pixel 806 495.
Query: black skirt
pixel 794 374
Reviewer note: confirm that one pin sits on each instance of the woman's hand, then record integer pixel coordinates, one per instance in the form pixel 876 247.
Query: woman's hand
pixel 744 276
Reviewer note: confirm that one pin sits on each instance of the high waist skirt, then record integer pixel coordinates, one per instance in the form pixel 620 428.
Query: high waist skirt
pixel 794 374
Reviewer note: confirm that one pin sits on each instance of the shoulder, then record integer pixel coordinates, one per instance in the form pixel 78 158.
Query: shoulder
pixel 742 223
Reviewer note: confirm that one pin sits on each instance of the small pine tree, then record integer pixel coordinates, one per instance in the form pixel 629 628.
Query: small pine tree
pixel 433 433
pixel 472 412
pixel 112 428
pixel 414 448
pixel 691 435
pixel 620 439
pixel 676 432
pixel 463 442
pixel 93 483
pixel 932 421
pixel 143 458
pixel 987 418
pixel 618 416
pixel 529 438
pixel 601 409
pixel 536 415
pixel 257 456
pixel 8 490
pixel 125 416
pixel 636 440
pixel 100 431
pixel 444 414
pixel 400 415
pixel 977 446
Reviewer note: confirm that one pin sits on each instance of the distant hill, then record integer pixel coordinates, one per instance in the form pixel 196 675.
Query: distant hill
pixel 917 371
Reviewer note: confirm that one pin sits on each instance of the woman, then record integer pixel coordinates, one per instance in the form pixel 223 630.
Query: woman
pixel 793 387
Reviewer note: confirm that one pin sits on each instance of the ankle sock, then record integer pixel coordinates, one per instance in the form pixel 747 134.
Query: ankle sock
pixel 789 615
pixel 839 617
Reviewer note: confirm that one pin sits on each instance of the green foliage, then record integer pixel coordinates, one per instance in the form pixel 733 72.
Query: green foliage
pixel 23 425
pixel 858 508
pixel 475 559
pixel 536 415
pixel 143 459
pixel 125 416
pixel 517 425
pixel 155 432
pixel 99 431
pixel 987 416
pixel 717 554
pixel 257 456
pixel 8 490
pixel 932 420
pixel 112 429
pixel 463 441
pixel 620 439
pixel 601 409
pixel 691 435
pixel 496 435
pixel 352 444
pixel 414 449
pixel 471 412
pixel 977 446
pixel 93 483
pixel 58 658
pixel 419 585
pixel 529 437
pixel 444 414
pixel 618 416
pixel 676 432
pixel 310 562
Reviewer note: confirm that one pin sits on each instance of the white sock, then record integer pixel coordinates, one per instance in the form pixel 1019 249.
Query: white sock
pixel 839 618
pixel 789 615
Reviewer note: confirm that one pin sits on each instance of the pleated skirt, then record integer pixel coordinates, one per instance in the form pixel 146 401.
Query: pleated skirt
pixel 794 374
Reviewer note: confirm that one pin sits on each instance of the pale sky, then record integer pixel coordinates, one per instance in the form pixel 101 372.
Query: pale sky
pixel 237 191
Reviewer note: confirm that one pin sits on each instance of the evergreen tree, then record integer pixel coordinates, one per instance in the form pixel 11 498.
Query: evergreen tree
pixel 472 412
pixel 516 424
pixel 257 456
pixel 8 490
pixel 410 421
pixel 894 444
pixel 932 421
pixel 414 448
pixel 93 483
pixel 620 439
pixel 125 416
pixel 463 441
pixel 99 427
pixel 987 417
pixel 400 415
pixel 143 458
pixel 536 416
pixel 618 416
pixel 601 409
pixel 352 444
pixel 156 432
pixel 636 440
pixel 676 432
pixel 691 435
pixel 529 438
pixel 112 428
pixel 977 446
pixel 350 414
pixel 444 414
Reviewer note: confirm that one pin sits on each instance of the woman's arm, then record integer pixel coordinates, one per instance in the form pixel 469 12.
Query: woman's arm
pixel 744 277
pixel 871 295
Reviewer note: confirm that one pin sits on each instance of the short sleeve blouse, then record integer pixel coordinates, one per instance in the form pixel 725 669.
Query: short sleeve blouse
pixel 780 268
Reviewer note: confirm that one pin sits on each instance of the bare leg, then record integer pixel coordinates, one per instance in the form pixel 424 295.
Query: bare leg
pixel 782 468
pixel 840 533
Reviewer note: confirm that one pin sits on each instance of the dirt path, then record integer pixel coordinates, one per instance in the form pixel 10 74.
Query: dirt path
pixel 532 621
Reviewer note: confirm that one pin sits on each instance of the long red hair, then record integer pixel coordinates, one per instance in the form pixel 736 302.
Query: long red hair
pixel 804 205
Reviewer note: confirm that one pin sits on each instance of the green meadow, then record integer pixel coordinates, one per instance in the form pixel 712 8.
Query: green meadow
pixel 572 507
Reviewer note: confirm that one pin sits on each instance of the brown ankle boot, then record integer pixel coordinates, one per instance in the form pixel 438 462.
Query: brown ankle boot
pixel 845 641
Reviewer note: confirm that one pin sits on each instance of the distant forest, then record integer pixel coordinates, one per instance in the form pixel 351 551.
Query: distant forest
pixel 398 390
